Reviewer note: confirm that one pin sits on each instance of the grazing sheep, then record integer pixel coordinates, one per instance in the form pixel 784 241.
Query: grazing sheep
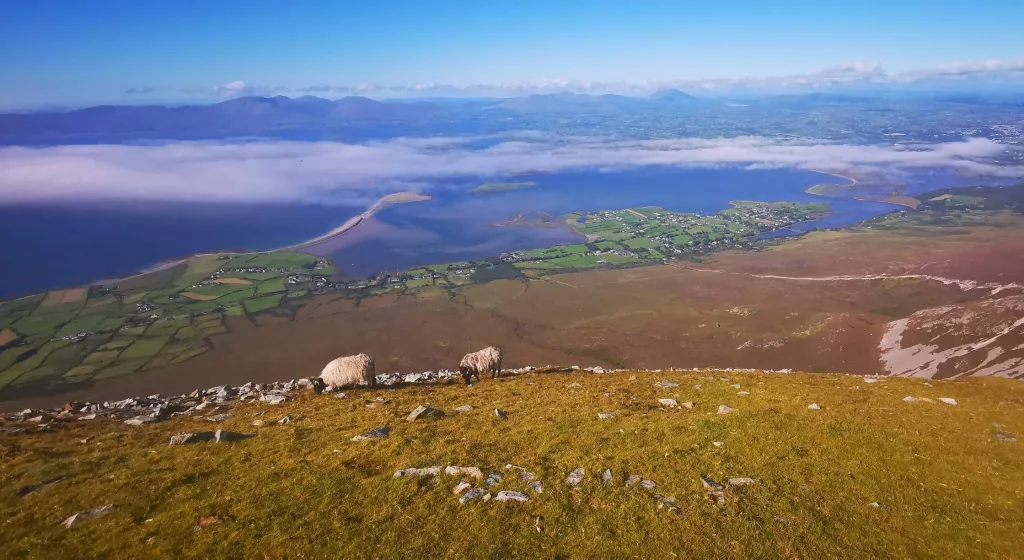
pixel 486 360
pixel 350 371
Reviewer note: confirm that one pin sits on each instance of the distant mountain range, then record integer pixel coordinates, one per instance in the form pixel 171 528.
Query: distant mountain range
pixel 261 115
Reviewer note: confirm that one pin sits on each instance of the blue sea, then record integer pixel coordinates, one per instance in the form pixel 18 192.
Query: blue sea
pixel 49 247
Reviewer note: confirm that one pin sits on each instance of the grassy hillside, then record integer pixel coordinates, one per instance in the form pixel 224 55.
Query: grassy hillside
pixel 942 481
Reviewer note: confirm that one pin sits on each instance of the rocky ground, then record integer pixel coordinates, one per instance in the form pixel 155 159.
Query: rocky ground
pixel 541 462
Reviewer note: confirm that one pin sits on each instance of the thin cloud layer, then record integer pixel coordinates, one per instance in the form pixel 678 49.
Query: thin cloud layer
pixel 331 172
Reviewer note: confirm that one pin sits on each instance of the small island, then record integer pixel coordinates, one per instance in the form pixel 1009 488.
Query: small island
pixel 496 187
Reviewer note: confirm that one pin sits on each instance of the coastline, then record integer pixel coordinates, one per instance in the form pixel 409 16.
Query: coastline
pixel 393 198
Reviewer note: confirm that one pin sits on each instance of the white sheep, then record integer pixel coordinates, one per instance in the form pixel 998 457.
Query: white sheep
pixel 350 371
pixel 486 360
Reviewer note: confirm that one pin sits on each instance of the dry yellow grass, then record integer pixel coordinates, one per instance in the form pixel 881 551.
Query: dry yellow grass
pixel 233 281
pixel 198 297
pixel 947 486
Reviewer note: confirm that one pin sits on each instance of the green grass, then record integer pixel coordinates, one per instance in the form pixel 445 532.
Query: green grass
pixel 640 243
pixel 261 303
pixel 303 490
pixel 274 286
pixel 144 347
pixel 237 296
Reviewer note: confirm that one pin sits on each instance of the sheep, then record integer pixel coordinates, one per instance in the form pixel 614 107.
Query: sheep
pixel 349 371
pixel 488 359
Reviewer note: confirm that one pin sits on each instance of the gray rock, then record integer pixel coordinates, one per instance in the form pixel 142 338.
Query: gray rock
pixel 606 476
pixel 633 479
pixel 424 412
pixel 880 506
pixel 948 400
pixel 1005 436
pixel 740 481
pixel 716 492
pixel 648 484
pixel 218 417
pixel 575 477
pixel 464 471
pixel 724 409
pixel 258 423
pixel 463 408
pixel 427 471
pixel 813 406
pixel 140 420
pixel 574 385
pixel 285 420
pixel 910 399
pixel 711 484
pixel 474 494
pixel 686 404
pixel 224 436
pixel 461 487
pixel 665 384
pixel 511 495
pixel 605 415
pixel 92 513
pixel 274 398
pixel 191 437
pixel 341 395
pixel 493 479
pixel 376 433
pixel 500 413
pixel 525 475
pixel 736 386
pixel 668 402
pixel 537 487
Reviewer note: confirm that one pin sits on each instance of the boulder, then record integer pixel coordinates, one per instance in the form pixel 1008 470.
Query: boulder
pixel 474 494
pixel 285 420
pixel 724 409
pixel 606 476
pixel 376 433
pixel 537 487
pixel 633 479
pixel 814 406
pixel 424 412
pixel 427 471
pixel 511 495
pixel 461 487
pixel 648 484
pixel 464 408
pixel 140 420
pixel 464 471
pixel 500 413
pixel 668 402
pixel 740 481
pixel 493 479
pixel 605 415
pixel 274 398
pixel 224 436
pixel 575 477
pixel 191 437
pixel 948 400
pixel 87 514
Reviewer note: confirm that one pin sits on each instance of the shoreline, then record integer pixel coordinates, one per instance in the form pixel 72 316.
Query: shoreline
pixel 393 198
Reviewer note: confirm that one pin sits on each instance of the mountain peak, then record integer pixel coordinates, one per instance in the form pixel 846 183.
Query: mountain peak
pixel 672 95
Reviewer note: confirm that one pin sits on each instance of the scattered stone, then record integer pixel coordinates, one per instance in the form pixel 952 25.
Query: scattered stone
pixel 743 393
pixel 740 481
pixel 218 417
pixel 341 395
pixel 716 492
pixel 376 433
pixel 909 399
pixel 500 413
pixel 736 386
pixel 575 477
pixel 574 385
pixel 687 404
pixel 493 479
pixel 464 408
pixel 698 387
pixel 606 476
pixel 633 479
pixel 208 520
pixel 648 484
pixel 813 406
pixel 605 415
pixel 665 384
pixel 880 506
pixel 285 420
pixel 26 490
pixel 718 443
pixel 868 379
pixel 191 437
pixel 461 487
pixel 464 471
pixel 424 412
pixel 668 402
pixel 927 400
pixel 725 409
pixel 511 495
pixel 224 436
pixel 88 514
pixel 428 471
pixel 948 400
pixel 1005 436
pixel 258 423
pixel 525 475
pixel 140 420
pixel 537 487
pixel 474 494
pixel 274 398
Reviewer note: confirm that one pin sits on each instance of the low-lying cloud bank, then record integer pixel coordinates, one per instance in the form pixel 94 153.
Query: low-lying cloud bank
pixel 331 172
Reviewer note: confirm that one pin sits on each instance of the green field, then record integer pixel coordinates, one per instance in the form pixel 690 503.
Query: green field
pixel 496 187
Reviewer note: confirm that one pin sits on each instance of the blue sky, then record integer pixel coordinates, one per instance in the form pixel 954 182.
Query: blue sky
pixel 75 52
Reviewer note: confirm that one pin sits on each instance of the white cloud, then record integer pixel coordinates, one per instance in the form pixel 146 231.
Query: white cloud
pixel 335 172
